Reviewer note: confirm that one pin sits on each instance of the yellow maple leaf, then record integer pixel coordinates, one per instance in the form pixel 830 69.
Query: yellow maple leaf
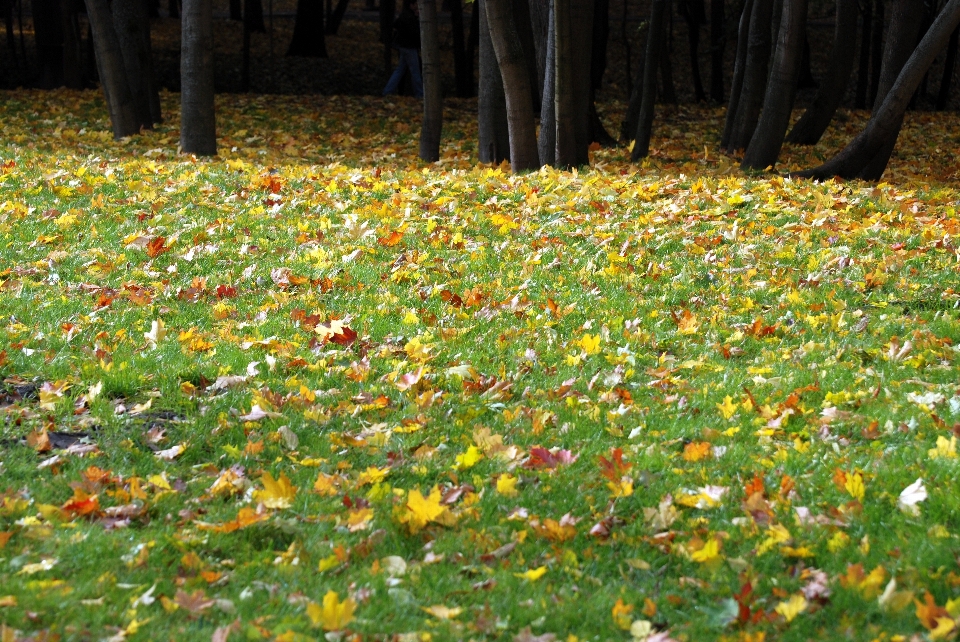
pixel 727 408
pixel 945 449
pixel 621 615
pixel 709 553
pixel 945 625
pixel 420 511
pixel 469 459
pixel 334 614
pixel 854 486
pixel 276 493
pixel 793 607
pixel 590 343
pixel 507 485
pixel 696 450
pixel 327 485
pixel 533 574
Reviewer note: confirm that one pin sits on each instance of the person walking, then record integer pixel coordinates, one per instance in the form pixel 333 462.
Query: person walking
pixel 406 39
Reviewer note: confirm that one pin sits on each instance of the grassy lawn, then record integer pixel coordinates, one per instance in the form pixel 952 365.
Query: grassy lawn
pixel 313 387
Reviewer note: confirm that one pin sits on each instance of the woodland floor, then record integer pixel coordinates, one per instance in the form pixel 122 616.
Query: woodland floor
pixel 314 386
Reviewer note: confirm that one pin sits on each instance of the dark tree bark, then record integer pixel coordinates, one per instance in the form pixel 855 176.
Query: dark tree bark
pixel 463 72
pixel 806 79
pixel 694 14
pixel 949 65
pixel 387 11
pixel 876 51
pixel 668 91
pixel 245 56
pixel 333 25
pixel 764 148
pixel 522 20
pixel 473 40
pixel 253 16
pixel 581 23
pixel 308 30
pixel 432 94
pixel 491 103
pixel 885 122
pixel 816 119
pixel 718 41
pixel 598 66
pixel 655 47
pixel 7 6
pixel 48 33
pixel 754 76
pixel 516 84
pixel 564 87
pixel 863 75
pixel 173 8
pixel 198 126
pixel 116 90
pixel 236 10
pixel 547 142
pixel 739 65
pixel 539 25
pixel 129 20
pixel 72 45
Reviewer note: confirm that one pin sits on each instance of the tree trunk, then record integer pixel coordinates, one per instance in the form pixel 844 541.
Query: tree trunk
pixel 764 148
pixel 308 30
pixel 668 92
pixel 564 104
pixel 816 119
pixel 123 113
pixel 598 66
pixel 886 120
pixel 876 51
pixel 198 127
pixel 739 65
pixel 245 55
pixel 754 76
pixel 236 10
pixel 522 20
pixel 173 8
pixel 387 11
pixel 863 75
pixel 463 73
pixel 581 23
pixel 72 47
pixel 694 15
pixel 253 16
pixel 905 22
pixel 655 46
pixel 337 17
pixel 48 34
pixel 806 79
pixel 432 93
pixel 718 40
pixel 129 19
pixel 547 142
pixel 540 25
pixel 473 40
pixel 516 84
pixel 943 95
pixel 11 36
pixel 491 103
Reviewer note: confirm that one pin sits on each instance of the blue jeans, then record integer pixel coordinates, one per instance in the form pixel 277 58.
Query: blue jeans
pixel 409 60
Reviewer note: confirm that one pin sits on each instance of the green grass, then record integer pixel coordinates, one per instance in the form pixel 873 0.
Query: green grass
pixel 615 308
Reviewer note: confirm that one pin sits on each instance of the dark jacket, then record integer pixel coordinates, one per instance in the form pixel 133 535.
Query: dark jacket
pixel 406 30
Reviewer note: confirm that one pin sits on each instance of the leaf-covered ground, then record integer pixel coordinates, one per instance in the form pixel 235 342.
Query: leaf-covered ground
pixel 314 387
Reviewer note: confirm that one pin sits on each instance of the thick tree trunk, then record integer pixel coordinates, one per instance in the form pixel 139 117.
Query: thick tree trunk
pixel 539 25
pixel 949 65
pixel 123 113
pixel 491 103
pixel 754 76
pixel 816 119
pixel 516 84
pixel 333 25
pixel 522 21
pixel 887 119
pixel 598 66
pixel 806 80
pixel 308 30
pixel 564 108
pixel 764 148
pixel 905 20
pixel 655 47
pixel 198 127
pixel 581 23
pixel 718 41
pixel 72 45
pixel 432 93
pixel 547 142
pixel 863 74
pixel 463 72
pixel 129 19
pixel 253 16
pixel 739 65
pixel 48 33
pixel 694 14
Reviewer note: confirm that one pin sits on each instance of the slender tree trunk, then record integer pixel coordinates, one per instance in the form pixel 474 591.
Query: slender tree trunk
pixel 764 148
pixel 718 40
pixel 806 80
pixel 694 14
pixel 581 23
pixel 308 30
pixel 253 15
pixel 123 113
pixel 539 24
pixel 432 93
pixel 949 65
pixel 337 17
pixel 547 142
pixel 668 93
pixel 655 47
pixel 816 119
pixel 72 47
pixel 863 75
pixel 885 122
pixel 739 65
pixel 564 107
pixel 876 51
pixel 129 19
pixel 598 66
pixel 491 103
pixel 473 40
pixel 236 10
pixel 754 76
pixel 463 74
pixel 521 19
pixel 173 8
pixel 48 34
pixel 516 84
pixel 198 127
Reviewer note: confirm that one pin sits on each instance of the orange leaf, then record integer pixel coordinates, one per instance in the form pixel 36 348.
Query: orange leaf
pixel 697 450
pixel 156 247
